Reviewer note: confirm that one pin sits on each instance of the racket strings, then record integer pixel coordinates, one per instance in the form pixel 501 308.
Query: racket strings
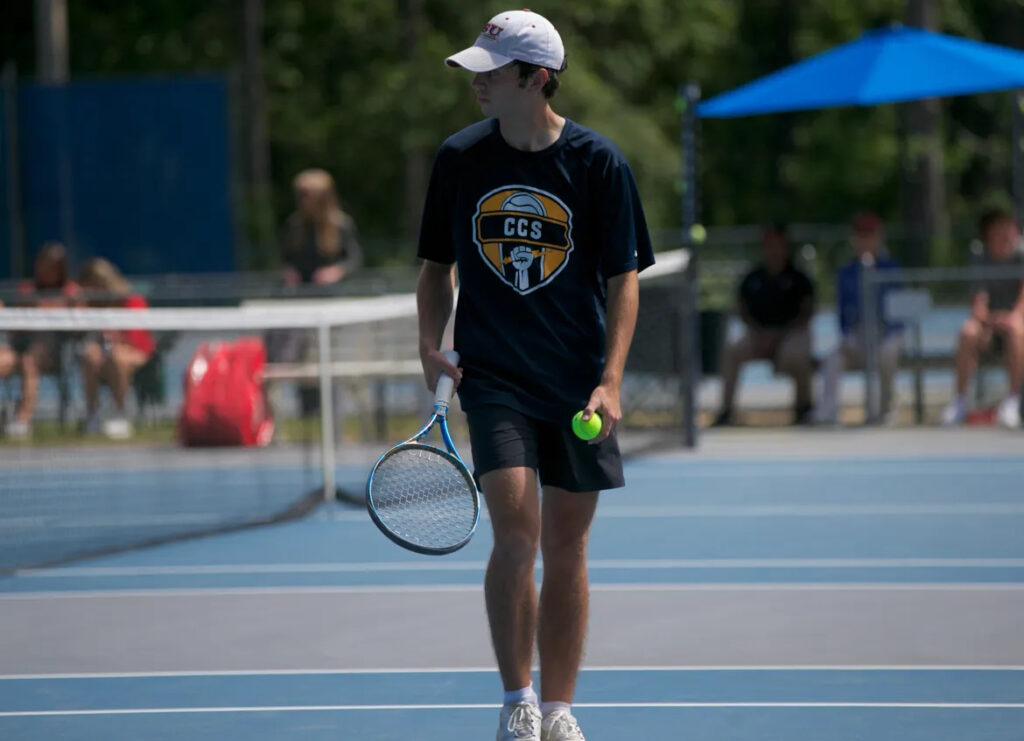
pixel 424 497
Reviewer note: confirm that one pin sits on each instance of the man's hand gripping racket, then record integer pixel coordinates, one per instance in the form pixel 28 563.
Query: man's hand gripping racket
pixel 420 496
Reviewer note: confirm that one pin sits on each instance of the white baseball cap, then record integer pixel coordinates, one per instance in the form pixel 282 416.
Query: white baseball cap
pixel 515 35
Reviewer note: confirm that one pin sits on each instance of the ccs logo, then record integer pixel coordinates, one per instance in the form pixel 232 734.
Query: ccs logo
pixel 524 235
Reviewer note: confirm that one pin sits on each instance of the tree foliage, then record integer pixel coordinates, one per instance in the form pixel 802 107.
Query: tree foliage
pixel 358 87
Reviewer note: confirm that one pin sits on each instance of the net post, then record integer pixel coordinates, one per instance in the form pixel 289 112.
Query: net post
pixel 686 102
pixel 918 374
pixel 1018 152
pixel 323 336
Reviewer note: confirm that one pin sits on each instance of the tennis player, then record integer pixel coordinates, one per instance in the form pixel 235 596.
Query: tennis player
pixel 543 219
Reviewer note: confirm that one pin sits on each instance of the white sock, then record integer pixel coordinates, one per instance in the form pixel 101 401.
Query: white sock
pixel 526 694
pixel 547 708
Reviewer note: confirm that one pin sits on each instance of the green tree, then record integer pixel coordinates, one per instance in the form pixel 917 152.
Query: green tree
pixel 358 87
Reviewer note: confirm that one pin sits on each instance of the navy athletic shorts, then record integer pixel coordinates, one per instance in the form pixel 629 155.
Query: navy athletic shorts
pixel 502 437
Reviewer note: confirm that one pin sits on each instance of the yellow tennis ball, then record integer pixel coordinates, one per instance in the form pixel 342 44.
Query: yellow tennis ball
pixel 698 233
pixel 586 429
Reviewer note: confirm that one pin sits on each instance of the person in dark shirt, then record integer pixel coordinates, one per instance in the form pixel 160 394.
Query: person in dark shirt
pixel 319 247
pixel 867 236
pixel 542 217
pixel 996 320
pixel 776 303
pixel 320 244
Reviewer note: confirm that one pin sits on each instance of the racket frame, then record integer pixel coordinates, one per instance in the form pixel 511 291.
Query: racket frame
pixel 438 419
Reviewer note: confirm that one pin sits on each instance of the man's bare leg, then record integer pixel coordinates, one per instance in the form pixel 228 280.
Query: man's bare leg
pixel 34 362
pixel 512 501
pixel 967 348
pixel 564 596
pixel 1013 341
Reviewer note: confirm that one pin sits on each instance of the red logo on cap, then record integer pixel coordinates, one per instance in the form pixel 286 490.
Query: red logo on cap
pixel 492 30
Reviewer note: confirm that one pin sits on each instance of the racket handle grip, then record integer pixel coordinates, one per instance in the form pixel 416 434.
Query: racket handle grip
pixel 445 386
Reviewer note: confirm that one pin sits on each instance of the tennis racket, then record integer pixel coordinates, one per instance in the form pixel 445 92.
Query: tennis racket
pixel 420 496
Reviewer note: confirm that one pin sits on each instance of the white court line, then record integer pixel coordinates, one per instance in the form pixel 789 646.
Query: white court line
pixel 659 511
pixel 683 471
pixel 808 510
pixel 177 593
pixel 625 564
pixel 490 706
pixel 492 670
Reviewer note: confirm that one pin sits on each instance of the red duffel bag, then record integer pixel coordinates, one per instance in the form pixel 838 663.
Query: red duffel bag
pixel 225 403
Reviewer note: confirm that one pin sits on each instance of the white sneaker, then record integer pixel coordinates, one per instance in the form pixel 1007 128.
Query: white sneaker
pixel 1008 413
pixel 519 722
pixel 118 428
pixel 954 413
pixel 18 429
pixel 560 726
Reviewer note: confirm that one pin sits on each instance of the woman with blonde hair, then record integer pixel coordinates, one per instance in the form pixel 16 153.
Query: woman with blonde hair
pixel 320 243
pixel 320 246
pixel 114 356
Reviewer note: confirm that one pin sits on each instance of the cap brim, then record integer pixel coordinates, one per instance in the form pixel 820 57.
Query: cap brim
pixel 477 59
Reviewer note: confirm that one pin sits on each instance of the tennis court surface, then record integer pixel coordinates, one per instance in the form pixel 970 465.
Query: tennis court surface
pixel 825 585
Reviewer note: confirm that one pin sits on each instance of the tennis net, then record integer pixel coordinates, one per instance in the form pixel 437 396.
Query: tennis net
pixel 343 381
pixel 70 487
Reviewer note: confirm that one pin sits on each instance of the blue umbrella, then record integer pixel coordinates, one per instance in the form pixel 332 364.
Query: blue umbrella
pixel 883 66
pixel 888 65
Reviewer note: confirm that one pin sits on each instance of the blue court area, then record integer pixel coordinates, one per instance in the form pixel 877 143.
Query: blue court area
pixel 875 597
pixel 614 704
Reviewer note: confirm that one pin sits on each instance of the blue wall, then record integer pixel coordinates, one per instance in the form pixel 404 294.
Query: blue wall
pixel 5 216
pixel 137 171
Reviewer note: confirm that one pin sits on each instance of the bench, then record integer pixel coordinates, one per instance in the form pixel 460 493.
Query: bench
pixel 909 306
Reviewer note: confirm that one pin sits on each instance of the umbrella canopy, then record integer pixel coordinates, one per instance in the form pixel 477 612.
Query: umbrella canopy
pixel 884 66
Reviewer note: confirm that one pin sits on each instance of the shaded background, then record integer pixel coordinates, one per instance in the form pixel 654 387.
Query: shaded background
pixel 358 87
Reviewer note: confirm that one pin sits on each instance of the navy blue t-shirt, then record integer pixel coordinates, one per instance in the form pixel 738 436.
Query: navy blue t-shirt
pixel 536 236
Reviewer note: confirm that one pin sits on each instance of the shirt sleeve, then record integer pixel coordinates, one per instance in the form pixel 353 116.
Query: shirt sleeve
pixel 140 339
pixel 436 241
pixel 135 301
pixel 621 232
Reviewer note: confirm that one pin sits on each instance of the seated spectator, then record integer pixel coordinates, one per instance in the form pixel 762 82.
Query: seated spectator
pixel 33 354
pixel 320 243
pixel 320 246
pixel 776 303
pixel 115 355
pixel 996 320
pixel 868 240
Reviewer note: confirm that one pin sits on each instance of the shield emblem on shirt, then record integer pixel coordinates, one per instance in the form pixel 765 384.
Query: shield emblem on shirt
pixel 524 235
